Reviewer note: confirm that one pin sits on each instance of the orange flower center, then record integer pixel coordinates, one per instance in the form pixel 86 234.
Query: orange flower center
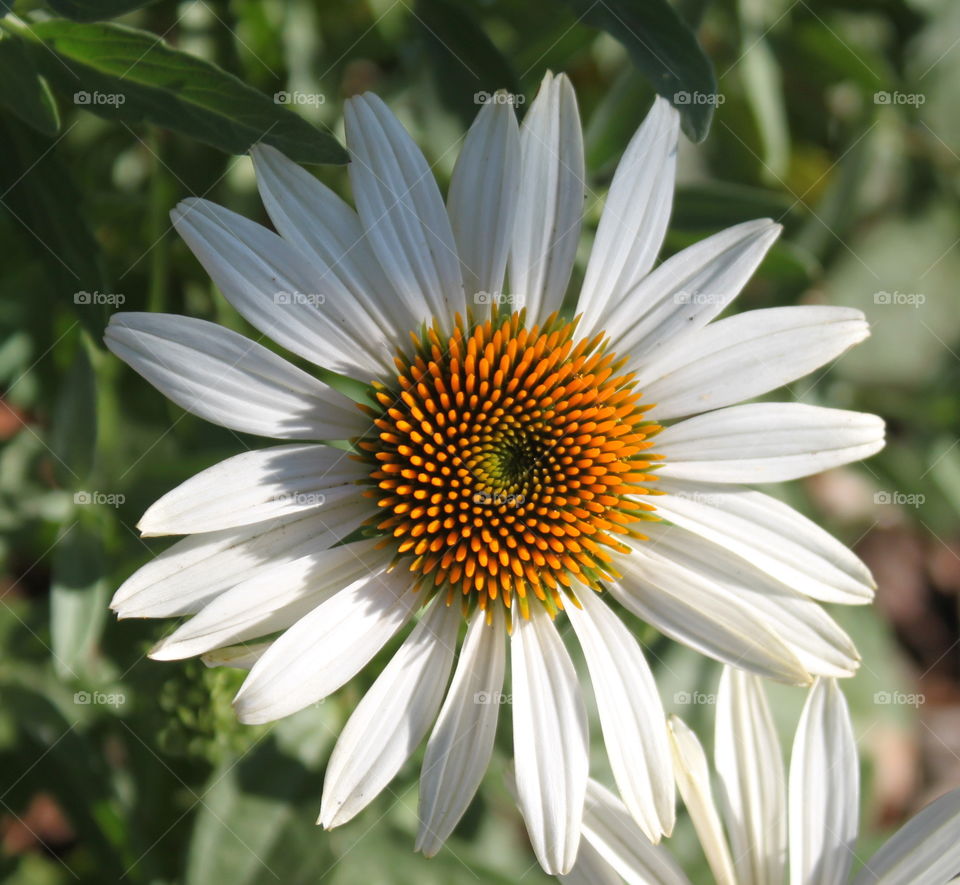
pixel 507 460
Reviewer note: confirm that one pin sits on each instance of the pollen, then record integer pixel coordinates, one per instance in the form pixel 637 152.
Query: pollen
pixel 506 462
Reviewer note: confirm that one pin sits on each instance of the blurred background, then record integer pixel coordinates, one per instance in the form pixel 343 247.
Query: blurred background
pixel 837 118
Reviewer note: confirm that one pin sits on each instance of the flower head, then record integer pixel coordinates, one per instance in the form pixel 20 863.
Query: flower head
pixel 512 464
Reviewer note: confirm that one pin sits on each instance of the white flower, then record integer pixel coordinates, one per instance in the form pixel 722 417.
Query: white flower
pixel 803 832
pixel 504 462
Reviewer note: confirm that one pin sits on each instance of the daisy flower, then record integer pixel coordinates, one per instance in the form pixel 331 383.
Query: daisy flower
pixel 801 829
pixel 510 462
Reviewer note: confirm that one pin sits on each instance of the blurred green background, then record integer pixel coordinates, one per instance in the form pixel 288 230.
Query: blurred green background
pixel 837 118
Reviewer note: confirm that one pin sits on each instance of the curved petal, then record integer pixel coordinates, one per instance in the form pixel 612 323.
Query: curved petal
pixel 549 740
pixel 402 211
pixel 634 218
pixel 767 442
pixel 482 202
pixel 924 851
pixel 186 576
pixel 813 637
pixel 459 749
pixel 326 648
pixel 610 830
pixel 694 611
pixel 230 380
pixel 824 788
pixel 771 535
pixel 743 356
pixel 255 486
pixel 394 715
pixel 631 714
pixel 693 781
pixel 313 218
pixel 290 296
pixel 754 784
pixel 550 204
pixel 590 869
pixel 273 599
pixel 687 291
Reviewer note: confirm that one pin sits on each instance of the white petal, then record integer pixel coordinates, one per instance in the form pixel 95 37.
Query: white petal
pixel 771 535
pixel 767 442
pixel 459 749
pixel 253 487
pixel 549 740
pixel 748 354
pixel 237 657
pixel 590 869
pixel 311 216
pixel 393 717
pixel 694 611
pixel 230 380
pixel 274 599
pixel 924 851
pixel 631 714
pixel 824 789
pixel 550 204
pixel 634 218
pixel 482 201
pixel 748 761
pixel 802 625
pixel 693 781
pixel 291 296
pixel 612 832
pixel 688 290
pixel 326 648
pixel 186 576
pixel 402 211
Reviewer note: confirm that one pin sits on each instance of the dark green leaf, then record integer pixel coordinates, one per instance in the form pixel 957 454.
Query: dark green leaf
pixel 47 211
pixel 665 50
pixel 467 63
pixel 25 92
pixel 132 76
pixel 95 10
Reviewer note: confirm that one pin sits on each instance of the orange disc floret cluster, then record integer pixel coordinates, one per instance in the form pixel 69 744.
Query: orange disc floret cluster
pixel 506 458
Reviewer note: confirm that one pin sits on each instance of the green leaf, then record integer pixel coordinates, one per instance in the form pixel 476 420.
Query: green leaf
pixel 25 92
pixel 466 61
pixel 665 50
pixel 95 10
pixel 132 76
pixel 78 598
pixel 615 120
pixel 74 433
